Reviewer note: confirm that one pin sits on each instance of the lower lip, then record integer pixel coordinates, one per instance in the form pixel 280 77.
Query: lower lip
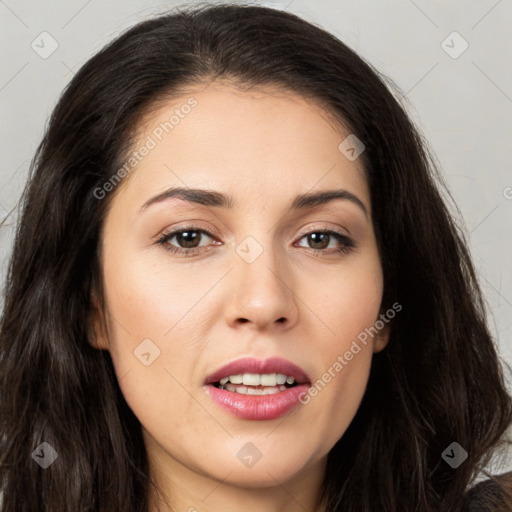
pixel 257 407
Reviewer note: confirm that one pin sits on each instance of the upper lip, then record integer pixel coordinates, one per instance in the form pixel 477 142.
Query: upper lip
pixel 251 365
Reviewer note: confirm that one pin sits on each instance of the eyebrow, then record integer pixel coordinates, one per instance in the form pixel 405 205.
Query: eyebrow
pixel 220 200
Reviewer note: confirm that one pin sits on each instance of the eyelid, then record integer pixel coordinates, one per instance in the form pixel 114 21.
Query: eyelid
pixel 190 226
pixel 324 227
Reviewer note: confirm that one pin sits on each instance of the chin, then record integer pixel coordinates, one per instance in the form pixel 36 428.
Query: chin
pixel 253 478
pixel 276 466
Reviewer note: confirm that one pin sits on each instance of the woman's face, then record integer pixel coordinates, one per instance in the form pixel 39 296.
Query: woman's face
pixel 254 288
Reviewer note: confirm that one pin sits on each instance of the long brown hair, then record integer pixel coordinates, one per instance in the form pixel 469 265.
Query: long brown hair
pixel 438 381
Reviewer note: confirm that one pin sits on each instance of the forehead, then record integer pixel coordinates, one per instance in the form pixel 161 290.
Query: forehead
pixel 266 141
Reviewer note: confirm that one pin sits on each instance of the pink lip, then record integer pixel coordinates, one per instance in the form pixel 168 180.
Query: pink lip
pixel 258 407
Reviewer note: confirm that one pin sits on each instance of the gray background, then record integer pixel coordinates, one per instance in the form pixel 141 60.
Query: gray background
pixel 461 100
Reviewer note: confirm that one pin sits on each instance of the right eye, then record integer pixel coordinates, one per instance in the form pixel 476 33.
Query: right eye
pixel 187 236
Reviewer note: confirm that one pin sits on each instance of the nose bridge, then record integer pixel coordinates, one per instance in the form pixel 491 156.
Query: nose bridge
pixel 262 288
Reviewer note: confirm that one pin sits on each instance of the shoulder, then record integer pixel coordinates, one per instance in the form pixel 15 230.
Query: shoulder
pixel 487 496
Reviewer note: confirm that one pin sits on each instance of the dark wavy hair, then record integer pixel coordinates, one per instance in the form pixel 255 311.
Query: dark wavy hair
pixel 439 380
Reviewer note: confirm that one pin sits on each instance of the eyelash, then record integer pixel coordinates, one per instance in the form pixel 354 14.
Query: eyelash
pixel 347 243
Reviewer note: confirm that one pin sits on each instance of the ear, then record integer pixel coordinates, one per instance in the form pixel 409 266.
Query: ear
pixel 381 339
pixel 97 326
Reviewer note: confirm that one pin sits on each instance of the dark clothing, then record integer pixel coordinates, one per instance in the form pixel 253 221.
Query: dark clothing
pixel 487 496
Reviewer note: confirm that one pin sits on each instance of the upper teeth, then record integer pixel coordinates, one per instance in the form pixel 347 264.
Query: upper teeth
pixel 256 379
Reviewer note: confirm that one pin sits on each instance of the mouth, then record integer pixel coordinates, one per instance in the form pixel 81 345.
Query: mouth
pixel 257 389
pixel 256 384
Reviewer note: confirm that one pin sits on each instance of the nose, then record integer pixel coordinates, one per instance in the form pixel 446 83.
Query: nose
pixel 262 293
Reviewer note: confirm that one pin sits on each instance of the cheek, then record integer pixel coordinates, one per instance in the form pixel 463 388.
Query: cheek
pixel 142 300
pixel 163 319
pixel 147 298
pixel 338 388
pixel 347 299
pixel 155 345
pixel 348 309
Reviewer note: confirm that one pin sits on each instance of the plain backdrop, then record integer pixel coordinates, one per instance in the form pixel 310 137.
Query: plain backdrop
pixel 451 60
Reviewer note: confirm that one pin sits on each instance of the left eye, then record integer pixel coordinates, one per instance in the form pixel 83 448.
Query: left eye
pixel 187 238
pixel 322 239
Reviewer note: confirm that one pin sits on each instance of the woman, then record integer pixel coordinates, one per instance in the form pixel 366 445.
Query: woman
pixel 325 348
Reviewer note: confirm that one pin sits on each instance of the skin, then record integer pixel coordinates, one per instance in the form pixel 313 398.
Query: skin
pixel 263 147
